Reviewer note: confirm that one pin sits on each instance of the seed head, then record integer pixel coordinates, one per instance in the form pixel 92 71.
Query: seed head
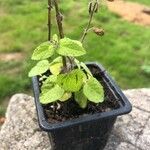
pixel 98 31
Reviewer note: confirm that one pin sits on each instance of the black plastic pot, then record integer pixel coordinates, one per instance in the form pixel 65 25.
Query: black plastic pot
pixel 85 133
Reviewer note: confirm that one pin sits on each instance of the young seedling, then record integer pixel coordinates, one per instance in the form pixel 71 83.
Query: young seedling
pixel 68 76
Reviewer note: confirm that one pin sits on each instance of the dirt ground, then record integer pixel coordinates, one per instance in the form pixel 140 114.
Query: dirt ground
pixel 11 56
pixel 131 11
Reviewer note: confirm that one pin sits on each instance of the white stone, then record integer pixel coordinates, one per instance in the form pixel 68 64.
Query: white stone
pixel 126 146
pixel 128 127
pixel 139 98
pixel 21 130
pixel 144 139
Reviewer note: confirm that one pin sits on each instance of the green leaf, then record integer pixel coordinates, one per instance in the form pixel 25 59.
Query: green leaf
pixel 56 66
pixel 65 97
pixel 51 95
pixel 51 79
pixel 49 83
pixel 83 65
pixel 93 91
pixel 57 60
pixel 72 81
pixel 43 51
pixel 55 38
pixel 81 99
pixel 70 47
pixel 41 67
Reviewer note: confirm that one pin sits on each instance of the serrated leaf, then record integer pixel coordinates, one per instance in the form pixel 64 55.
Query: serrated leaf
pixel 49 83
pixel 56 66
pixel 93 91
pixel 83 65
pixel 41 67
pixel 72 81
pixel 57 60
pixel 81 99
pixel 43 51
pixel 51 95
pixel 65 97
pixel 70 47
pixel 46 87
pixel 51 79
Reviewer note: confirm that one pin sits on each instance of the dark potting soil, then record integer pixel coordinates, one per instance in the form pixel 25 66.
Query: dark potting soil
pixel 70 109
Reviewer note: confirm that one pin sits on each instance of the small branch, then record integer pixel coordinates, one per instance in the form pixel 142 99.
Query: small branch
pixel 49 20
pixel 71 61
pixel 59 19
pixel 90 20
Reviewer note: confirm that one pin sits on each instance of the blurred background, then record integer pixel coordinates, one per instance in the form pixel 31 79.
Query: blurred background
pixel 124 50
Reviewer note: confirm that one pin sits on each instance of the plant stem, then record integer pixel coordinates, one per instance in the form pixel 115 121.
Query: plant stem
pixel 59 19
pixel 49 20
pixel 89 22
pixel 54 109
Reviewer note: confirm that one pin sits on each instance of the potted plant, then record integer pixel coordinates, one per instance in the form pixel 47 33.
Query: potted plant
pixel 77 103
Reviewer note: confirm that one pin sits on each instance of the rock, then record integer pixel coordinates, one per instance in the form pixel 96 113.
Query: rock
pixel 126 146
pixel 129 127
pixel 139 98
pixel 144 138
pixel 21 131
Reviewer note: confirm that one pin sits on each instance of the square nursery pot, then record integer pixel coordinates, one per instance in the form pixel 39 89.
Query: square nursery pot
pixel 88 132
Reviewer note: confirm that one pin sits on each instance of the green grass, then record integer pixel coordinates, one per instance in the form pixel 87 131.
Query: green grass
pixel 23 25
